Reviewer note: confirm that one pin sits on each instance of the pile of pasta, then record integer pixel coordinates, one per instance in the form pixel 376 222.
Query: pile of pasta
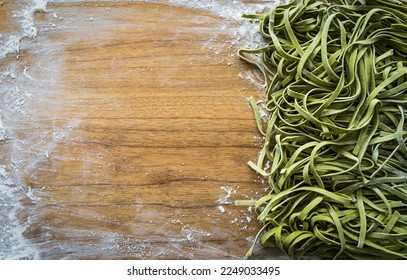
pixel 334 151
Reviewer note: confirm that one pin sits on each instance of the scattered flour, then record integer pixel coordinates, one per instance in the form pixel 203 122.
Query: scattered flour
pixel 227 9
pixel 27 28
pixel 226 198
pixel 13 245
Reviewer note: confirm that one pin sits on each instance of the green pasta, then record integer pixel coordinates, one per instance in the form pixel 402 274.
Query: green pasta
pixel 335 138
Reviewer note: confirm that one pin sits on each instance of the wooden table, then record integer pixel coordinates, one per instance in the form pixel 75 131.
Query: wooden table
pixel 133 134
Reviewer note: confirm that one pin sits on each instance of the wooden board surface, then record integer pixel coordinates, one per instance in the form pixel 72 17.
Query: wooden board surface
pixel 132 134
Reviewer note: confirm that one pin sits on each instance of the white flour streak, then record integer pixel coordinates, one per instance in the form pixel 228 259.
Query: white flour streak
pixel 27 28
pixel 13 245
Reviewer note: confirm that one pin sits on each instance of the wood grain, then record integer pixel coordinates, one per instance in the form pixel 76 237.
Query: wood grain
pixel 136 128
